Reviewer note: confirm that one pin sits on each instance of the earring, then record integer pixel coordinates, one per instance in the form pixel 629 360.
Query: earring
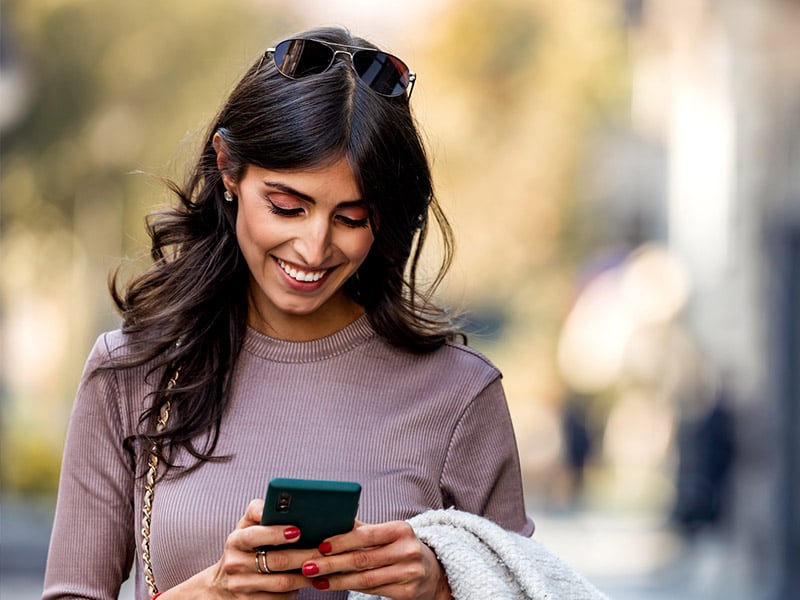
pixel 228 196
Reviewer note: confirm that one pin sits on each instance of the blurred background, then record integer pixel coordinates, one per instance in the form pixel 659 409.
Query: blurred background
pixel 624 180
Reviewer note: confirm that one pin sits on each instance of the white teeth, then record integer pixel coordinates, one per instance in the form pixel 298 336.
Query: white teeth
pixel 301 275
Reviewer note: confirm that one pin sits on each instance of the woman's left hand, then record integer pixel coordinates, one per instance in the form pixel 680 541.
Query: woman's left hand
pixel 386 560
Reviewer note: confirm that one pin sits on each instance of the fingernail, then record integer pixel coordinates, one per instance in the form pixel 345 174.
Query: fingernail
pixel 310 569
pixel 291 533
pixel 325 547
pixel 321 584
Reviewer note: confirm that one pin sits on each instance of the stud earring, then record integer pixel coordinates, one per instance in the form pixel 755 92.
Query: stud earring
pixel 228 196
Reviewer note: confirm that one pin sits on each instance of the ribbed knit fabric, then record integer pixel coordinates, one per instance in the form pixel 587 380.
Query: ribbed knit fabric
pixel 418 432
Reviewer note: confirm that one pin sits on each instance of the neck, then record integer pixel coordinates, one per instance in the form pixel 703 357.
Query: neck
pixel 302 328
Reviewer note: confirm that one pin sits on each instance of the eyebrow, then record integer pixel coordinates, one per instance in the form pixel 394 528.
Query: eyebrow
pixel 282 187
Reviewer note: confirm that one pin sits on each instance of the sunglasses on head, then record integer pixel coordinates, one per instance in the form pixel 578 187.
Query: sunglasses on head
pixel 386 74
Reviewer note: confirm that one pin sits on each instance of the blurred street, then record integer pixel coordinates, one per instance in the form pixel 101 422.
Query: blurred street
pixel 632 558
pixel 628 558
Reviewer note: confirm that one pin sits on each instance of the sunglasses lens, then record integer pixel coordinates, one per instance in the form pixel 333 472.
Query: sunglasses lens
pixel 298 58
pixel 384 73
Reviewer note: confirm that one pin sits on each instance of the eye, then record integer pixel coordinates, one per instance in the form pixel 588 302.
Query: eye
pixel 353 216
pixel 283 209
pixel 349 222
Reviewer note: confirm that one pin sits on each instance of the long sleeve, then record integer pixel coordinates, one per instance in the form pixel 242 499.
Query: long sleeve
pixel 92 546
pixel 482 472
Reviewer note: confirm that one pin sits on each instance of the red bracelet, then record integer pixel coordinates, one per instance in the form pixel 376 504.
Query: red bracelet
pixel 157 594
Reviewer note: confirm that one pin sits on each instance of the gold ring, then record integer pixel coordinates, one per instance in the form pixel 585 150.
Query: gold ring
pixel 261 562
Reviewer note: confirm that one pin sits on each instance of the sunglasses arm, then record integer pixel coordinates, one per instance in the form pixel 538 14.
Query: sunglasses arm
pixel 412 77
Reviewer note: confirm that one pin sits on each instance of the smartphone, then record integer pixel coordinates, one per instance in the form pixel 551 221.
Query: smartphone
pixel 319 508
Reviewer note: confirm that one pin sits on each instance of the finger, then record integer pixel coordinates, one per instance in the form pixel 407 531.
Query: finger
pixel 237 572
pixel 249 538
pixel 366 536
pixel 376 546
pixel 256 583
pixel 418 576
pixel 252 515
pixel 360 559
pixel 395 581
pixel 286 560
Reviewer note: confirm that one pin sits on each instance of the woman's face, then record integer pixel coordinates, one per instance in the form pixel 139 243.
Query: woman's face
pixel 303 234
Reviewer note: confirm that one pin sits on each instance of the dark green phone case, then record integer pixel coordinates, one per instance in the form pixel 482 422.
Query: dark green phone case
pixel 319 508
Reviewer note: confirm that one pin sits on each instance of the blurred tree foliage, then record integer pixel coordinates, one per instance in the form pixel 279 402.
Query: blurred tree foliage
pixel 521 88
pixel 112 87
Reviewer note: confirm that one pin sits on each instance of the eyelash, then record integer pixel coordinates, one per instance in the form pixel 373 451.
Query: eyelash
pixel 284 212
pixel 355 223
pixel 291 212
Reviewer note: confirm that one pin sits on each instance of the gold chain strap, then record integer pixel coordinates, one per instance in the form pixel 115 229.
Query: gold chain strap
pixel 149 491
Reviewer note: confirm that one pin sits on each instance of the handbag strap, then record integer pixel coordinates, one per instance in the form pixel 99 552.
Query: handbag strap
pixel 149 491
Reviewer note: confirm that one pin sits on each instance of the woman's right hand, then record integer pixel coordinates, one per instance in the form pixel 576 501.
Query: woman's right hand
pixel 236 575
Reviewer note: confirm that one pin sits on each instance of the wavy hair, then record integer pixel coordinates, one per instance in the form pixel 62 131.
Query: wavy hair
pixel 188 311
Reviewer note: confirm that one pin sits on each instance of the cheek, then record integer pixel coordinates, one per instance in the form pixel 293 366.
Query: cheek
pixel 244 237
pixel 361 247
pixel 253 234
pixel 254 244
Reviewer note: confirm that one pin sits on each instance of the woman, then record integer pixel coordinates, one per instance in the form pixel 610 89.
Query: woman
pixel 280 332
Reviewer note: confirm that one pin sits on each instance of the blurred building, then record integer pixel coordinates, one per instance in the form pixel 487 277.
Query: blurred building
pixel 711 168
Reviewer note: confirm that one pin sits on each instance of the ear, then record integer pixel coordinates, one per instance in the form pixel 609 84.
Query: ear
pixel 224 162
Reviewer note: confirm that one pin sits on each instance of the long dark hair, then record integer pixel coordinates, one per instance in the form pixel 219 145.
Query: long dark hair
pixel 188 312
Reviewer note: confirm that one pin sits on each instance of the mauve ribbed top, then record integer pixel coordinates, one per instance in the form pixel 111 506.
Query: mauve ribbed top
pixel 418 432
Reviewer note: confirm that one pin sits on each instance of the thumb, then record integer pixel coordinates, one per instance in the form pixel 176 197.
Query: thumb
pixel 252 515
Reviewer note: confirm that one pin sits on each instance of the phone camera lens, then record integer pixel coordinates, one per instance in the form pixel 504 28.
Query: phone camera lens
pixel 284 502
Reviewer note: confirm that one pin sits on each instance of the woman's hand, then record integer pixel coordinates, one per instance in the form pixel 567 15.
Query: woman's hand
pixel 236 575
pixel 386 560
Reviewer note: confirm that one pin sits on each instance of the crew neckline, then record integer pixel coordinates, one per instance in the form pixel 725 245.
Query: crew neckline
pixel 278 350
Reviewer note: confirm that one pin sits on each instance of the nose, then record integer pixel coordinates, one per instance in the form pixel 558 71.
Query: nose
pixel 313 244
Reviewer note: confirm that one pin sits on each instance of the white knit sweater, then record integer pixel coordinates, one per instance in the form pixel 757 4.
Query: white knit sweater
pixel 482 560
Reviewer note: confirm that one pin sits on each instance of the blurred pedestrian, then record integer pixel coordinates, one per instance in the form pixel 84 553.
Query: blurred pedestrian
pixel 705 447
pixel 577 444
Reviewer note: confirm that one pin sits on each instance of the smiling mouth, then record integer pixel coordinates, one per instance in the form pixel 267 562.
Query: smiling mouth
pixel 300 275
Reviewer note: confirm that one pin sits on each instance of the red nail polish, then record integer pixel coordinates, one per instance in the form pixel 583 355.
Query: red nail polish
pixel 325 547
pixel 321 584
pixel 291 533
pixel 310 569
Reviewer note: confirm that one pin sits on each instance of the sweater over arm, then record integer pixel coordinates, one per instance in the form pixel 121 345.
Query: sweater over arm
pixel 481 474
pixel 92 546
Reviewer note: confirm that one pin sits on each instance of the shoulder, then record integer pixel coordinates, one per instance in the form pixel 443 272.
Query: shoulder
pixel 123 350
pixel 106 346
pixel 109 349
pixel 108 390
pixel 469 357
pixel 464 362
pixel 452 363
pixel 112 363
pixel 110 344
